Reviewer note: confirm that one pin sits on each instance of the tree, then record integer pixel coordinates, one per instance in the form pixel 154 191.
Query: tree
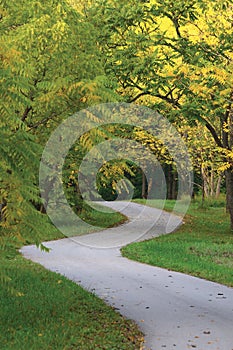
pixel 206 157
pixel 176 58
pixel 50 68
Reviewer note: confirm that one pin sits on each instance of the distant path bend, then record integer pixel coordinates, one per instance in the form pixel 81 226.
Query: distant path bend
pixel 174 310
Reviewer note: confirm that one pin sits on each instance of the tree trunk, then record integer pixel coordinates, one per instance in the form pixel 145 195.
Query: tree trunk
pixel 218 186
pixel 46 194
pixel 228 143
pixel 203 193
pixel 229 194
pixel 169 181
pixel 174 194
pixel 150 187
pixel 144 191
pixel 212 181
pixel 205 182
pixel 79 199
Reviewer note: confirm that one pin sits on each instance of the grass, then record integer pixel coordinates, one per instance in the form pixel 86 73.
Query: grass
pixel 96 219
pixel 43 310
pixel 40 309
pixel 157 203
pixel 202 247
pixel 103 219
pixel 47 311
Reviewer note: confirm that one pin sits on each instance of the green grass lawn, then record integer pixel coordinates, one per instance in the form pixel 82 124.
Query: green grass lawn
pixel 40 309
pixel 202 247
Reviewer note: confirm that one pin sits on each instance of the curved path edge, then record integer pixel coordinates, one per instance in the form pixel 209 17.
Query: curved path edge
pixel 174 310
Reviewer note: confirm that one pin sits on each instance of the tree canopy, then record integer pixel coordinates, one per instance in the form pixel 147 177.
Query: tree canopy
pixel 50 68
pixel 175 58
pixel 59 57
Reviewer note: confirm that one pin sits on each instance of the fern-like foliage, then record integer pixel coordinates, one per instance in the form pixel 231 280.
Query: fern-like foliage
pixel 50 68
pixel 19 196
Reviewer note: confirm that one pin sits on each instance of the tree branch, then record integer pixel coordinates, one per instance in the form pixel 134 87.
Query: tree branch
pixel 172 101
pixel 138 96
pixel 213 132
pixel 26 112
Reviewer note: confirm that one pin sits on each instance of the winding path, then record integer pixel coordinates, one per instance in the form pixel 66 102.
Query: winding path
pixel 175 311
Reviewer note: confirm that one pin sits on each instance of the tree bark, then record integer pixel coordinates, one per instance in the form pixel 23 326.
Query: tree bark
pixel 218 186
pixel 229 193
pixel 150 185
pixel 174 191
pixel 212 181
pixel 169 181
pixel 229 171
pixel 205 182
pixel 144 190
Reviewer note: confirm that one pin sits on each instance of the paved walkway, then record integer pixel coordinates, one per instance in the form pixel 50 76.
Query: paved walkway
pixel 175 311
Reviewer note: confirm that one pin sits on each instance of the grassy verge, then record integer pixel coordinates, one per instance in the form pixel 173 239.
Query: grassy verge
pixel 202 247
pixel 157 203
pixel 47 311
pixel 40 309
pixel 96 218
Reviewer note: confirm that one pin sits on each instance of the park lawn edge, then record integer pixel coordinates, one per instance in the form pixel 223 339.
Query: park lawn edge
pixel 29 303
pixel 201 247
pixel 43 309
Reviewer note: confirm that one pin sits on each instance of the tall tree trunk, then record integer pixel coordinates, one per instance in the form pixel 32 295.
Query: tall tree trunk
pixel 212 181
pixel 229 194
pixel 79 199
pixel 169 181
pixel 174 194
pixel 144 191
pixel 205 182
pixel 218 186
pixel 46 194
pixel 228 141
pixel 150 186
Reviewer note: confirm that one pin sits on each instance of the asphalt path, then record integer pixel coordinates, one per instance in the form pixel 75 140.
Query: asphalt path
pixel 174 310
